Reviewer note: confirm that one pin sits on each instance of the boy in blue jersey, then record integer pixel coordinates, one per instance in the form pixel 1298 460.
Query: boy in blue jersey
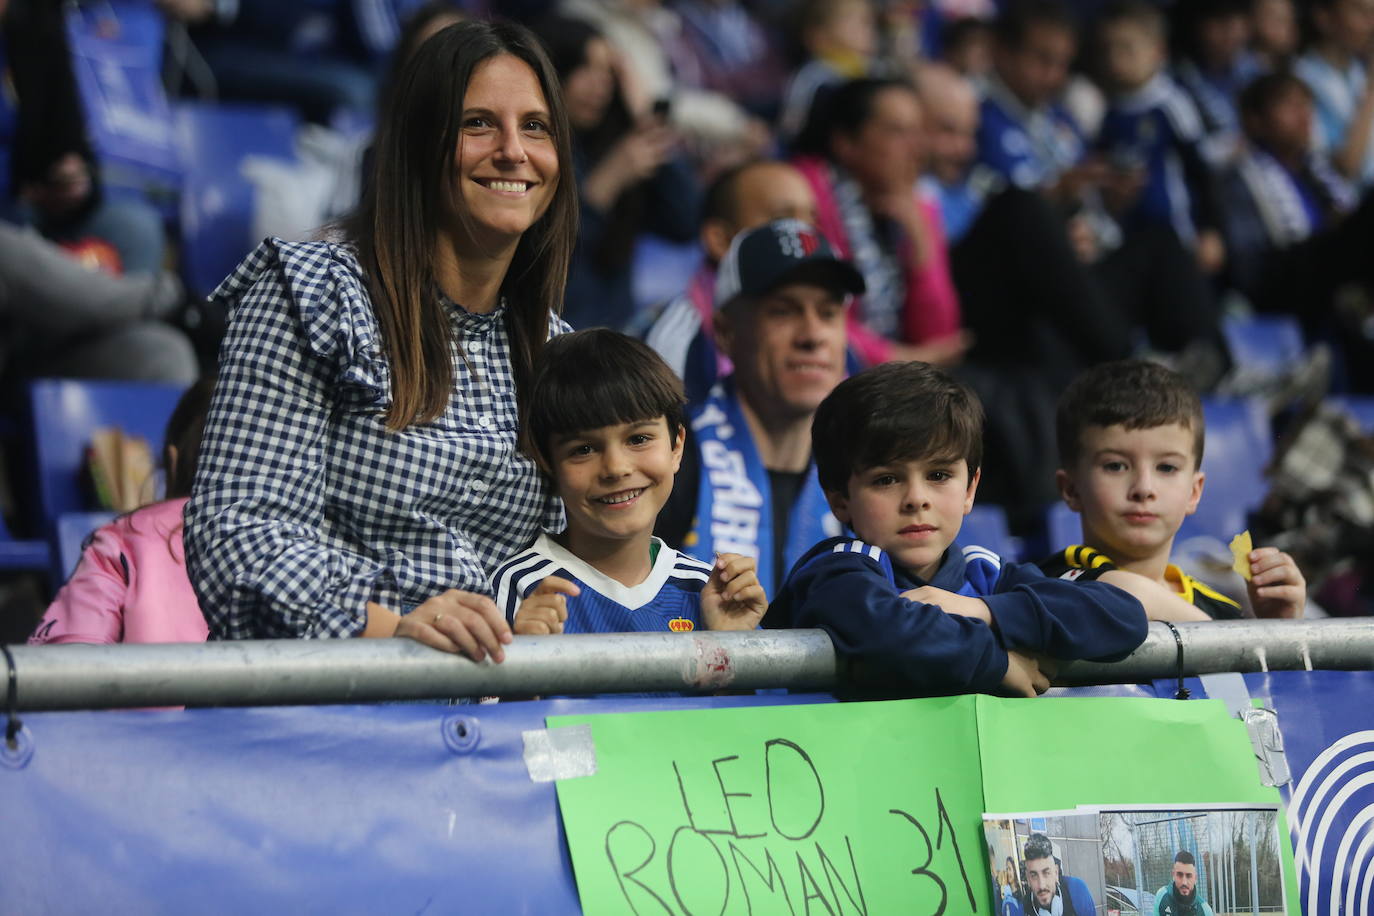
pixel 898 452
pixel 1130 463
pixel 1024 133
pixel 606 425
pixel 1152 128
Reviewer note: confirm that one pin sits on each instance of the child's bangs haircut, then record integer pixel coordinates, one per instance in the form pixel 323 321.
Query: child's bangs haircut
pixel 899 411
pixel 1139 13
pixel 1133 393
pixel 594 378
pixel 1018 18
pixel 1264 92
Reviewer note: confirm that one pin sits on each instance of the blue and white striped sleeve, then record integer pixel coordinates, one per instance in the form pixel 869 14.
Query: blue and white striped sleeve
pixel 850 593
pixel 516 578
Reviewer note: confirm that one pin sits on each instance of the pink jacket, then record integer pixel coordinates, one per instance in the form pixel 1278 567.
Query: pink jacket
pixel 931 310
pixel 130 586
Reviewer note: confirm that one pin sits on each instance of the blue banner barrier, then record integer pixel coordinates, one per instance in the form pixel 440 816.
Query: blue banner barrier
pixel 397 808
pixel 1327 720
pixel 410 808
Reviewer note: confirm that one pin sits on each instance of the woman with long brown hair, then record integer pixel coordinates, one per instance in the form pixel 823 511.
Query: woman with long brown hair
pixel 360 472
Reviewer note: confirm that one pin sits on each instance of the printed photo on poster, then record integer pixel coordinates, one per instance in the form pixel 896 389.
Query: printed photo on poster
pixel 1139 861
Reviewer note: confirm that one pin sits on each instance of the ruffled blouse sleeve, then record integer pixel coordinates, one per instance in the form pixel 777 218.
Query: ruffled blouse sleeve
pixel 302 342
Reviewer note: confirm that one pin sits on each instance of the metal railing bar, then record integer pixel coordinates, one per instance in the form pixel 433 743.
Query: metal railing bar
pixel 276 672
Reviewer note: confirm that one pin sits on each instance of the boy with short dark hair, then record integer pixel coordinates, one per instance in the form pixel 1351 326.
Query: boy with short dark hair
pixel 606 424
pixel 898 452
pixel 1130 452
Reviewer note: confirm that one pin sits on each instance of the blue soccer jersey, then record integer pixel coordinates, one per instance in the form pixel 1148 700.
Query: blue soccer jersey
pixel 1030 148
pixel 1157 128
pixel 669 599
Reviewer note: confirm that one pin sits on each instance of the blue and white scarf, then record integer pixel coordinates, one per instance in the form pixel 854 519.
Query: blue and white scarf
pixel 1288 215
pixel 734 502
pixel 1047 134
pixel 884 282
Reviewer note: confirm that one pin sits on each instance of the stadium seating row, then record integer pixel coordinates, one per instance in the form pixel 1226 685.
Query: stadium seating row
pixel 62 415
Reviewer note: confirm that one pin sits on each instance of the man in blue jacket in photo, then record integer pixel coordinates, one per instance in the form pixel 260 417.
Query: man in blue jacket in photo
pixel 1050 892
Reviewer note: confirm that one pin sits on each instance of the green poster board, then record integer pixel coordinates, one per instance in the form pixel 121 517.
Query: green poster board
pixel 1046 755
pixel 844 808
pixel 869 807
pixel 1055 754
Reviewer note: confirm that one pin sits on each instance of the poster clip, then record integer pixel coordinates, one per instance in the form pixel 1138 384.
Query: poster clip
pixel 1182 693
pixel 1267 740
pixel 559 753
pixel 17 747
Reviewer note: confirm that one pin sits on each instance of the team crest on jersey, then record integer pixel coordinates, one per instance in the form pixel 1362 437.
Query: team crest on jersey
pixel 681 625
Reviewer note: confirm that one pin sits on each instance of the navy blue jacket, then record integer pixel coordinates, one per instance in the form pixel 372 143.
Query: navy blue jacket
pixel 852 590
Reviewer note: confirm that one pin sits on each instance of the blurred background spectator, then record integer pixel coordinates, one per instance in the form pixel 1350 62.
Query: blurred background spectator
pixel 749 195
pixel 1336 68
pixel 631 175
pixel 318 55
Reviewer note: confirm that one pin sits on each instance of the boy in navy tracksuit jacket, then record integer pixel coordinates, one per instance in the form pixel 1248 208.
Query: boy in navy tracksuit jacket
pixel 897 451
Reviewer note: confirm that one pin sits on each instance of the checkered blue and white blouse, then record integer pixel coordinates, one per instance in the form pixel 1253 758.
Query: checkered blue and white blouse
pixel 304 506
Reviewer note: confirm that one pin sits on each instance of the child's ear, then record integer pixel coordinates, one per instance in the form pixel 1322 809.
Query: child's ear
pixel 972 490
pixel 678 442
pixel 1068 490
pixel 1195 497
pixel 839 505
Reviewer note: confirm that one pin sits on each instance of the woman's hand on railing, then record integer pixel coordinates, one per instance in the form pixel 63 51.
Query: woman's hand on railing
pixel 460 622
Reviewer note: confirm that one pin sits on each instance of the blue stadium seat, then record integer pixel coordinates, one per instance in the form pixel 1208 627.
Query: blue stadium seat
pixel 22 554
pixel 1361 407
pixel 1239 447
pixel 66 412
pixel 1063 527
pixel 217 200
pixel 1269 342
pixel 18 553
pixel 72 530
pixel 986 526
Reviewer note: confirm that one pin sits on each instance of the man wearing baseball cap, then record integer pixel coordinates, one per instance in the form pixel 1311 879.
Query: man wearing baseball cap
pixel 747 484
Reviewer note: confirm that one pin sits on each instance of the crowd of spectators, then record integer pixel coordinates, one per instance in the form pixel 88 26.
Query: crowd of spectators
pixel 1029 188
pixel 1024 190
